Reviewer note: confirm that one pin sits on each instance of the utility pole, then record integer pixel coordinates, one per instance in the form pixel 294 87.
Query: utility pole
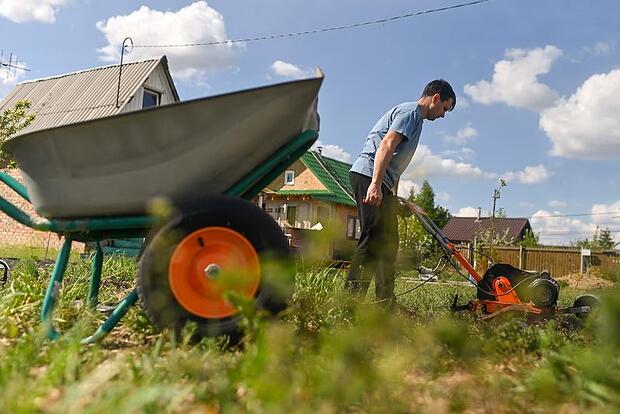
pixel 497 193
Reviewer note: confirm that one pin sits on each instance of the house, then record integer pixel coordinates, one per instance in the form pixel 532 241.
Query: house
pixel 76 97
pixel 463 230
pixel 314 195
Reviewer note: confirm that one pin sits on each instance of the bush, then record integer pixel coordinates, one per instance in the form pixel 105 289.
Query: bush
pixel 612 274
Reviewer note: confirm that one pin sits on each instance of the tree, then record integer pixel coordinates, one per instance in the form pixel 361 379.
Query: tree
pixel 606 240
pixel 415 242
pixel 11 121
pixel 601 240
pixel 426 199
pixel 584 244
pixel 530 240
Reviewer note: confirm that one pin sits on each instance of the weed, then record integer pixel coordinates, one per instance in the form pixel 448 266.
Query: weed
pixel 327 355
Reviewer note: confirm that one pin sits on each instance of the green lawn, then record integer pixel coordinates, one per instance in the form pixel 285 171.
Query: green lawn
pixel 29 252
pixel 322 356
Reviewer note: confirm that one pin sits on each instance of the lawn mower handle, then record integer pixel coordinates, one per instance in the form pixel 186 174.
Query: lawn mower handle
pixel 439 235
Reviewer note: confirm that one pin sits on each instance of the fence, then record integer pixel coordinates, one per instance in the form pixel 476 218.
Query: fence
pixel 557 261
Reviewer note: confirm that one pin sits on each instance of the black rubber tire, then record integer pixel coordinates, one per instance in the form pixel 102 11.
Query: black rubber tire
pixel 587 300
pixel 258 227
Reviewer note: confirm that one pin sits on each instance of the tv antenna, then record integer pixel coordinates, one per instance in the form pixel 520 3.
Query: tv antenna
pixel 12 65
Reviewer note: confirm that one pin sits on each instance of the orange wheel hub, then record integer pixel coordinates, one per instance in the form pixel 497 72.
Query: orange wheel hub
pixel 208 264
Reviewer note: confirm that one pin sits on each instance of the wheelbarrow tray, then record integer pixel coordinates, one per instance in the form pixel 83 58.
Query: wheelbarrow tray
pixel 183 152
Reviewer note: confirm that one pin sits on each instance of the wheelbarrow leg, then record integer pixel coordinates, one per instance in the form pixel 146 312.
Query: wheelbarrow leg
pixel 53 289
pixel 95 277
pixel 114 318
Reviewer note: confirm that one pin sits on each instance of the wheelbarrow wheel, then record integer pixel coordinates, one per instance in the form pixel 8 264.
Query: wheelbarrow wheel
pixel 209 260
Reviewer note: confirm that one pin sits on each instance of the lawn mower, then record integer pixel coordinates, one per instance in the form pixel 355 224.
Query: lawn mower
pixel 503 288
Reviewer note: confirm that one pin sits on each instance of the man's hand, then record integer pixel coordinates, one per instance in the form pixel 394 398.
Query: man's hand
pixel 384 154
pixel 374 196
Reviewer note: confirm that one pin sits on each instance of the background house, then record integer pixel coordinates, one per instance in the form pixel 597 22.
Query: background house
pixel 464 230
pixel 76 97
pixel 314 195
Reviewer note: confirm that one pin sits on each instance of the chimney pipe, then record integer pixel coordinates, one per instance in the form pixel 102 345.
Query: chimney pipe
pixel 479 213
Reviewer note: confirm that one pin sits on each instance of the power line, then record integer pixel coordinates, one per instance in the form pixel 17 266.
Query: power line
pixel 574 215
pixel 323 30
pixel 559 233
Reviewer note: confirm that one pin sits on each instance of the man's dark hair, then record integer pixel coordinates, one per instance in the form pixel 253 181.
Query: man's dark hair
pixel 441 87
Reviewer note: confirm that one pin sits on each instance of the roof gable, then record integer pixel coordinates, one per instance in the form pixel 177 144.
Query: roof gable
pixel 466 228
pixel 333 174
pixel 84 95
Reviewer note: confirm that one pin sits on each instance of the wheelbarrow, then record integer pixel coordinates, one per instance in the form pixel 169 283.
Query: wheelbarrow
pixel 205 159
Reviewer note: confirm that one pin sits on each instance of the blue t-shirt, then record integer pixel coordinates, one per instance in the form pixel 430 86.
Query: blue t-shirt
pixel 404 119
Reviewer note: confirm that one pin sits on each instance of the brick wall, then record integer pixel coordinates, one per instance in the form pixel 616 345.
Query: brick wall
pixel 13 233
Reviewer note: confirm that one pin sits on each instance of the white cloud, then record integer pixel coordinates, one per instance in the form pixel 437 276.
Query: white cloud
pixel 587 125
pixel 461 154
pixel 405 186
pixel 600 49
pixel 555 229
pixel 467 153
pixel 288 70
pixel 559 230
pixel 462 135
pixel 443 196
pixel 9 78
pixel 463 103
pixel 515 80
pixel 332 151
pixel 529 175
pixel 557 204
pixel 20 11
pixel 466 132
pixel 196 23
pixel 607 215
pixel 426 164
pixel 467 212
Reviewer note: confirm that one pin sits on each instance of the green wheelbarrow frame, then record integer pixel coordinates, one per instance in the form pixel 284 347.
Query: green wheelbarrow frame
pixel 98 228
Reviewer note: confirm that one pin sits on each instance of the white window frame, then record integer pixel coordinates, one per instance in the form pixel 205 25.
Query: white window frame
pixel 152 92
pixel 355 233
pixel 289 177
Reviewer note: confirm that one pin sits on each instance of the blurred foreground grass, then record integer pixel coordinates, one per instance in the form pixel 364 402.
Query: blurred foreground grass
pixel 323 356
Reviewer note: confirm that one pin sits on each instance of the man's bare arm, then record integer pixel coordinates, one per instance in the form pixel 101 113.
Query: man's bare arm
pixel 384 154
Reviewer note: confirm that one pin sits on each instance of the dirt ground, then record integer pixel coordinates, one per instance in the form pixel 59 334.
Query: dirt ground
pixel 588 280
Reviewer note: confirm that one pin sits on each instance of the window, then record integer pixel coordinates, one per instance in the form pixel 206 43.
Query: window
pixel 291 215
pixel 150 98
pixel 289 177
pixel 353 228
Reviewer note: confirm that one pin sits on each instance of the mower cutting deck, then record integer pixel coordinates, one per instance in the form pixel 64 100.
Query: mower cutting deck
pixel 504 288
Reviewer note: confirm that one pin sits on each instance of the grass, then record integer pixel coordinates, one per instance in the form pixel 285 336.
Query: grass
pixel 325 355
pixel 612 274
pixel 31 252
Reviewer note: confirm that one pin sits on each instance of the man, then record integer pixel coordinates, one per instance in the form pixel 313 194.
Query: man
pixel 374 176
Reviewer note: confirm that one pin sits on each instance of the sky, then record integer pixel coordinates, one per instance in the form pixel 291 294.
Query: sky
pixel 537 84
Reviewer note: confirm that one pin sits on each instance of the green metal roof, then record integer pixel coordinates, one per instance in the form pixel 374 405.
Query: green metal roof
pixel 333 174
